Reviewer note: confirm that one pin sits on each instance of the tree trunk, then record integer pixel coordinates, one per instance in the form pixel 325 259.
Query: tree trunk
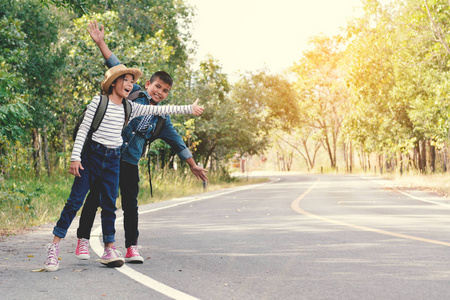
pixel 432 158
pixel 330 153
pixel 36 150
pixel 64 142
pixel 344 148
pixel 416 158
pixel 444 166
pixel 211 150
pixel 46 156
pixel 423 156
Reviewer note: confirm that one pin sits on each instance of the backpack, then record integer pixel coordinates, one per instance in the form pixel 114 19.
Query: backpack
pixel 98 116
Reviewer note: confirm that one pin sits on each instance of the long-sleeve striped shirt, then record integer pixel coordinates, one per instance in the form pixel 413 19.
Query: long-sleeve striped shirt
pixel 109 133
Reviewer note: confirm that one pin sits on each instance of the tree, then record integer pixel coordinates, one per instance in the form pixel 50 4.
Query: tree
pixel 322 92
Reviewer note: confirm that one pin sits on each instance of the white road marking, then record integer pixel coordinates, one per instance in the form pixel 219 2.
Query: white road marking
pixel 96 245
pixel 295 205
pixel 407 194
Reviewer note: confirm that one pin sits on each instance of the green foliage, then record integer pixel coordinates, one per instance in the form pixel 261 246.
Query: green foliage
pixel 78 6
pixel 13 53
pixel 18 198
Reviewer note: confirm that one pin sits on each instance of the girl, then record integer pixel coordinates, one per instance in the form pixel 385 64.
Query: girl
pixel 95 160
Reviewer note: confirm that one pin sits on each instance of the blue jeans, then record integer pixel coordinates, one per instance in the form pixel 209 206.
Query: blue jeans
pixel 101 167
pixel 129 190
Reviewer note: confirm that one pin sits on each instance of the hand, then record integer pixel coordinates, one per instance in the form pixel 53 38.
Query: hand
pixel 199 172
pixel 196 109
pixel 75 167
pixel 96 33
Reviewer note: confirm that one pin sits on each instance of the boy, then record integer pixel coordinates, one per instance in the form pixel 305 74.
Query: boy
pixel 95 160
pixel 134 136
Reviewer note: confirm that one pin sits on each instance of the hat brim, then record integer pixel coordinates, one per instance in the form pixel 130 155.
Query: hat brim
pixel 108 81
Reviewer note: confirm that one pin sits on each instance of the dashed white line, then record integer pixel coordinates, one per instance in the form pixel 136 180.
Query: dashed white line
pixel 149 282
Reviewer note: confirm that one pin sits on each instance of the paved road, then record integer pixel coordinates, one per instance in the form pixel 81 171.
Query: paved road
pixel 298 237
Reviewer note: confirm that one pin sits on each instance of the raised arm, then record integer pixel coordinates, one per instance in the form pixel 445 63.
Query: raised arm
pixel 97 36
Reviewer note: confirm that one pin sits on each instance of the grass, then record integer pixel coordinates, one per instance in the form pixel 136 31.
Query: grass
pixel 438 183
pixel 28 202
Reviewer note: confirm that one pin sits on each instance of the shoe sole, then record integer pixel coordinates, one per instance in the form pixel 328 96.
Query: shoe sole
pixel 52 269
pixel 134 260
pixel 117 263
pixel 83 256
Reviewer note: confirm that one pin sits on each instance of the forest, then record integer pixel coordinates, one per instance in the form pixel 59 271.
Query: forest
pixel 374 96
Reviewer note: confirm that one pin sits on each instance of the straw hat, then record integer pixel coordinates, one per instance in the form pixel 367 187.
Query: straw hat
pixel 117 71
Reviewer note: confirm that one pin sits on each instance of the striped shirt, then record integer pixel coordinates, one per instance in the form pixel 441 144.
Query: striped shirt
pixel 109 133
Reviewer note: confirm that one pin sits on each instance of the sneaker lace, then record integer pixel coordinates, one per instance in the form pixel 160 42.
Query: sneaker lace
pixel 115 252
pixel 52 255
pixel 83 245
pixel 134 249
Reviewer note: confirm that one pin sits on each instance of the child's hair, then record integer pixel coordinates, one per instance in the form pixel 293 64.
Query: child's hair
pixel 164 76
pixel 114 83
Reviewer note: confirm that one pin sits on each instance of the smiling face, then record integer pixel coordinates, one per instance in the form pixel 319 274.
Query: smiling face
pixel 123 85
pixel 158 89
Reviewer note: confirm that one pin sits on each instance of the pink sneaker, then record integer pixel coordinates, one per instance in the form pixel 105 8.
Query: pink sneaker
pixel 133 255
pixel 83 249
pixel 52 264
pixel 112 258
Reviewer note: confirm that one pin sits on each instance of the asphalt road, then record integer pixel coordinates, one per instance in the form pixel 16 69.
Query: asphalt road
pixel 297 237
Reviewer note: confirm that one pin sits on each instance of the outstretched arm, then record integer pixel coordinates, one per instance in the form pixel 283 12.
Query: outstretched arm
pixel 198 171
pixel 97 36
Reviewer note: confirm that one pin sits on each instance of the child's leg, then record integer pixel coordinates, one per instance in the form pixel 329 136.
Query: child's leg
pixel 108 194
pixel 129 191
pixel 88 212
pixel 87 218
pixel 79 190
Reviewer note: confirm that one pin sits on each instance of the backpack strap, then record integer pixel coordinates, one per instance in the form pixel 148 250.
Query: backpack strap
pixel 135 95
pixel 128 108
pixel 156 133
pixel 99 113
pixel 158 128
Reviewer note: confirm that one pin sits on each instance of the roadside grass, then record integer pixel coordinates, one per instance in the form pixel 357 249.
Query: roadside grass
pixel 438 183
pixel 27 201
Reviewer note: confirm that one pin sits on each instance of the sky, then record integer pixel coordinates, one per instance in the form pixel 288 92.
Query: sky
pixel 249 35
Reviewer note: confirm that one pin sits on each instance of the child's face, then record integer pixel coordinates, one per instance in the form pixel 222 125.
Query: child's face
pixel 158 89
pixel 124 85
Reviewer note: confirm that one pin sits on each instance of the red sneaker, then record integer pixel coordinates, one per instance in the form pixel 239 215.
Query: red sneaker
pixel 133 255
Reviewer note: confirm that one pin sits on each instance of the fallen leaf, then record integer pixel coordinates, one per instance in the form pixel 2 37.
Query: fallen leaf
pixel 59 258
pixel 30 255
pixel 78 270
pixel 56 278
pixel 38 270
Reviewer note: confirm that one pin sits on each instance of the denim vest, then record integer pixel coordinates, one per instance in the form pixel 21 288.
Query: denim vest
pixel 133 141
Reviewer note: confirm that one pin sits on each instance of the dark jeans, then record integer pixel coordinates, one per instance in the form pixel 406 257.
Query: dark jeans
pixel 129 190
pixel 101 169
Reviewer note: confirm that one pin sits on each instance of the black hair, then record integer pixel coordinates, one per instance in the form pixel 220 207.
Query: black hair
pixel 164 76
pixel 114 82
